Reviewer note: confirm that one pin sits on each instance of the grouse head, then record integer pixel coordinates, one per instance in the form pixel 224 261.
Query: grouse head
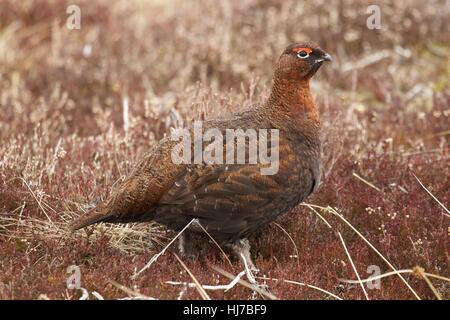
pixel 301 61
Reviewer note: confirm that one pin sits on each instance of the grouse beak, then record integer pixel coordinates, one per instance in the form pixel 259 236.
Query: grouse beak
pixel 320 57
pixel 324 57
pixel 327 57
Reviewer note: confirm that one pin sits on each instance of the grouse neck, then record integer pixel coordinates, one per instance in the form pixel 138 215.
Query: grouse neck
pixel 293 97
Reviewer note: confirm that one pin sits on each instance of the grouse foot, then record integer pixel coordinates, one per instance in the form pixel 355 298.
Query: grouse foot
pixel 241 248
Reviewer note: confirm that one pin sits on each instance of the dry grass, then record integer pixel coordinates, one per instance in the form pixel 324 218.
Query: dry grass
pixel 79 107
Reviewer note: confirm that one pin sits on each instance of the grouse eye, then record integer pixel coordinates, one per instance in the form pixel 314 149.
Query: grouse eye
pixel 303 54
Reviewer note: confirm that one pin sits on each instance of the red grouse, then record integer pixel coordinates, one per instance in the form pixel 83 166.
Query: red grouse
pixel 231 200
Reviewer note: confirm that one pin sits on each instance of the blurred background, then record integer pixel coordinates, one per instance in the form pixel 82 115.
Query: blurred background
pixel 79 106
pixel 152 51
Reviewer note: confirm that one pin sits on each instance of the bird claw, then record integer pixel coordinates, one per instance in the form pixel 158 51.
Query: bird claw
pixel 261 287
pixel 257 287
pixel 189 255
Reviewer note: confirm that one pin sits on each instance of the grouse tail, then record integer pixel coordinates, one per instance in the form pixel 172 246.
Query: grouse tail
pixel 96 215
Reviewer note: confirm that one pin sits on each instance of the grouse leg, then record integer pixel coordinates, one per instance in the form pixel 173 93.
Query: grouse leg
pixel 241 248
pixel 186 245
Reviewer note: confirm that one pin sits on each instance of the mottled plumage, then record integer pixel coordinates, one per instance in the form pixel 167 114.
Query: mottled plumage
pixel 231 200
